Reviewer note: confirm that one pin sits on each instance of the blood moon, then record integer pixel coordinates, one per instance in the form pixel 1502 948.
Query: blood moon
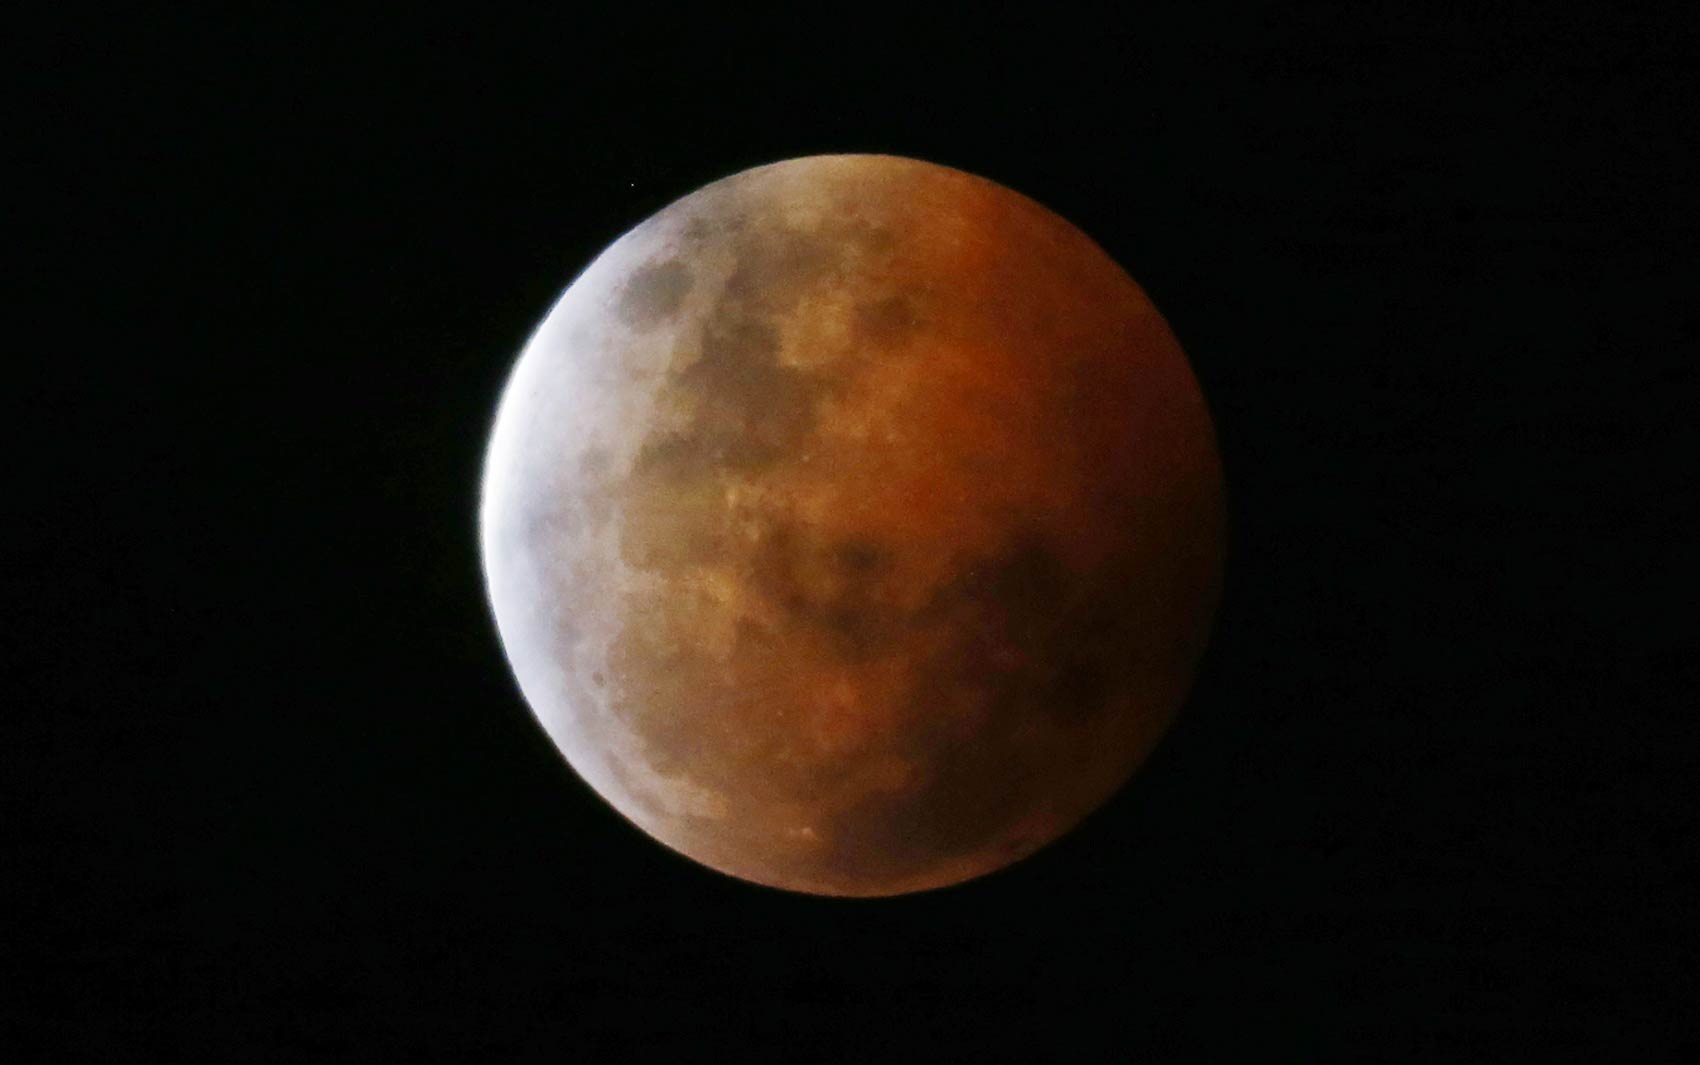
pixel 853 525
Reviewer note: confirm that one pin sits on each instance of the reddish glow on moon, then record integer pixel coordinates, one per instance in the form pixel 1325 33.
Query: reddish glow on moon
pixel 853 525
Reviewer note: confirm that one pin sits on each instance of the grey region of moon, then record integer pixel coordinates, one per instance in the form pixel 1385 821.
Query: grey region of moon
pixel 853 525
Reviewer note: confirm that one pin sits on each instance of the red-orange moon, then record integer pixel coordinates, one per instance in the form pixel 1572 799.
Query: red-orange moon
pixel 853 525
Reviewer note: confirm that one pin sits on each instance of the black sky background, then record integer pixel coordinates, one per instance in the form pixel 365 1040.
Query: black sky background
pixel 280 800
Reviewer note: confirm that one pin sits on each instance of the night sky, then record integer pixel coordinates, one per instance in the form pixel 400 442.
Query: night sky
pixel 280 799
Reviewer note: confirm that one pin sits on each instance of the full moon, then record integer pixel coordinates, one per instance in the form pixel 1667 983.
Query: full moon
pixel 853 525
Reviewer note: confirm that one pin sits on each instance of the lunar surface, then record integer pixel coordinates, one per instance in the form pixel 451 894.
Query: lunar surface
pixel 853 525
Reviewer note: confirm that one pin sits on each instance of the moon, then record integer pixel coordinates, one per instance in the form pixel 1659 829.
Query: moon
pixel 853 525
